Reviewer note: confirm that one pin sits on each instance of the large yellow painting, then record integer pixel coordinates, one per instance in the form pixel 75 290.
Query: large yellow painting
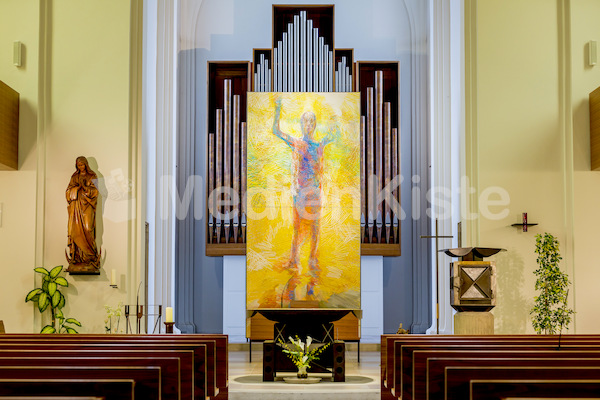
pixel 303 200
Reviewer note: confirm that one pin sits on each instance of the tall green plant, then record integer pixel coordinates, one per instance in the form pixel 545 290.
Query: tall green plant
pixel 50 297
pixel 550 311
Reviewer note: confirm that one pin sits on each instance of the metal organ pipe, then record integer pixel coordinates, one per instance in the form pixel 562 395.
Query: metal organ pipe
pixel 303 51
pixel 309 55
pixel 290 57
pixel 302 62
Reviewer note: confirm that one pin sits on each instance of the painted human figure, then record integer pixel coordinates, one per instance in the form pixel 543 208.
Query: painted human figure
pixel 307 171
pixel 82 197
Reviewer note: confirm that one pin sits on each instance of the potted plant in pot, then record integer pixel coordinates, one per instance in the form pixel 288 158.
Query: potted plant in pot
pixel 49 297
pixel 550 312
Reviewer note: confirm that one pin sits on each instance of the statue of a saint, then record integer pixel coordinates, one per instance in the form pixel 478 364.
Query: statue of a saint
pixel 82 197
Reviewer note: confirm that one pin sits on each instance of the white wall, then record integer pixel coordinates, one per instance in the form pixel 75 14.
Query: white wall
pixel 524 141
pixel 84 109
pixel 19 20
pixel 586 183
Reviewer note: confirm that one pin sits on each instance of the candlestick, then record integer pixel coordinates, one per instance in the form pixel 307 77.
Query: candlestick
pixel 169 314
pixel 169 327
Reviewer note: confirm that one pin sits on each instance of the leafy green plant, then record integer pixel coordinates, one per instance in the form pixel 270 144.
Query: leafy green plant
pixel 49 297
pixel 550 311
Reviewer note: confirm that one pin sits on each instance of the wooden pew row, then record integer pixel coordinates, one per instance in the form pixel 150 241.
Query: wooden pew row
pixel 51 398
pixel 387 342
pixel 400 383
pixel 146 379
pixel 217 377
pixel 429 381
pixel 216 360
pixel 407 364
pixel 458 379
pixel 168 367
pixel 404 389
pixel 184 358
pixel 76 389
pixel 197 372
pixel 500 390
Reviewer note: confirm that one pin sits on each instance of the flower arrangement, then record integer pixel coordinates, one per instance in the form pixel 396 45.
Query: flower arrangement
pixel 113 313
pixel 301 354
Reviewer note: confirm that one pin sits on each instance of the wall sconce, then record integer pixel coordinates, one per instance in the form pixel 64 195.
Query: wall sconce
pixel 113 279
pixel 592 53
pixel 17 54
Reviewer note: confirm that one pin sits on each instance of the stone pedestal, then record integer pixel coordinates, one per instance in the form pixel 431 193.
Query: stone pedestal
pixel 474 323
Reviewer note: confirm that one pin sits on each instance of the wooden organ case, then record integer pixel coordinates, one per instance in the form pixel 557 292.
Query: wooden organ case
pixel 303 58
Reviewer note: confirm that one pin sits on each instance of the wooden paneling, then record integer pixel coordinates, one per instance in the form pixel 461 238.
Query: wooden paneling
pixel 595 128
pixel 9 128
pixel 347 328
pixel 259 328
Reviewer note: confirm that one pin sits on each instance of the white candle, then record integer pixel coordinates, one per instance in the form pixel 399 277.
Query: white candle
pixel 113 277
pixel 169 314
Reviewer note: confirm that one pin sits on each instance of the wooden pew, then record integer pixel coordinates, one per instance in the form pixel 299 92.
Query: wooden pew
pixel 185 360
pixel 408 380
pixel 216 359
pixel 499 390
pixel 51 398
pixel 147 379
pixel 404 389
pixel 386 394
pixel 457 386
pixel 108 389
pixel 198 352
pixel 430 383
pixel 168 367
pixel 397 367
pixel 458 378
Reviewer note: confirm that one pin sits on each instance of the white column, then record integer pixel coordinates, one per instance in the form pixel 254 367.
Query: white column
pixel 447 123
pixel 159 128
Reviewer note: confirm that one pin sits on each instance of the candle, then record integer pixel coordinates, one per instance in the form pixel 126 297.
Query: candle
pixel 113 277
pixel 169 314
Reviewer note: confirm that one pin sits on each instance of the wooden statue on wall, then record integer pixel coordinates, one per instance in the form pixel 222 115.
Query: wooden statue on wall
pixel 82 198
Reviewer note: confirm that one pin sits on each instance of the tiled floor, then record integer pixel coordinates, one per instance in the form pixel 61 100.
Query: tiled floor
pixel 362 380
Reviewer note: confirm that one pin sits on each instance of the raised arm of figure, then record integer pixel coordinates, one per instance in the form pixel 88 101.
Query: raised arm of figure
pixel 276 130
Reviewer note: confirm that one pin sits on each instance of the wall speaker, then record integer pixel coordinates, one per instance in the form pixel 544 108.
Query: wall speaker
pixel 339 361
pixel 268 360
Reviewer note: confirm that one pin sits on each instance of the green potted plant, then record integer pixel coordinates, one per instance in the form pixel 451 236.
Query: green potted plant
pixel 550 312
pixel 49 297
